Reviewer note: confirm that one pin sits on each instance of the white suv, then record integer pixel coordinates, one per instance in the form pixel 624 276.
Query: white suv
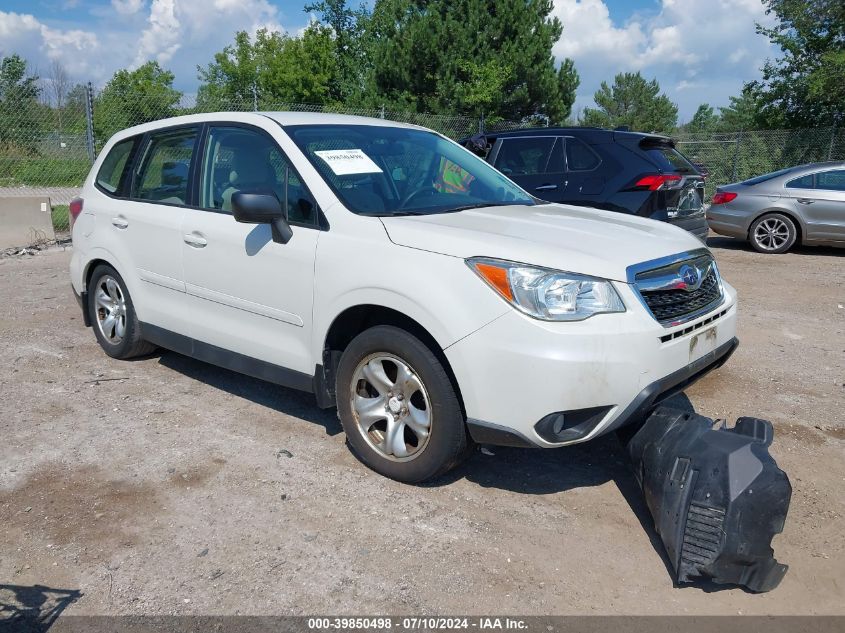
pixel 396 276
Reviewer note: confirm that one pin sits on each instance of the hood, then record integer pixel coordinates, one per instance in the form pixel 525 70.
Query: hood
pixel 563 237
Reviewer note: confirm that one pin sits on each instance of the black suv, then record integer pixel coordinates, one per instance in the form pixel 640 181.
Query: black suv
pixel 628 172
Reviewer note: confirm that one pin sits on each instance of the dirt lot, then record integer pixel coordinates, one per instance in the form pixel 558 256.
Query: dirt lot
pixel 166 485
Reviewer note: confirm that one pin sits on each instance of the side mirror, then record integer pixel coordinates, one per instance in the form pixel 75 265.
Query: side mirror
pixel 262 208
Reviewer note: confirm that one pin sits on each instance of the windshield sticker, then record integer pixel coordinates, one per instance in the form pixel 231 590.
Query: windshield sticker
pixel 344 162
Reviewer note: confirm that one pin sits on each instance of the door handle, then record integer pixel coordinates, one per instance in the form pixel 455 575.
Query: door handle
pixel 548 187
pixel 120 222
pixel 195 240
pixel 806 200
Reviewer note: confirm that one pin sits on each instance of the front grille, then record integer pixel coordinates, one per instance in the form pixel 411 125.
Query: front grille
pixel 680 290
pixel 669 305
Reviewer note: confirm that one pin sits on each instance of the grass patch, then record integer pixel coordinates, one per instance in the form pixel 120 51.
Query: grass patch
pixel 61 218
pixel 43 172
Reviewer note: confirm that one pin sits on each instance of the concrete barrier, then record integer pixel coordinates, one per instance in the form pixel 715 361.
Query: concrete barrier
pixel 25 221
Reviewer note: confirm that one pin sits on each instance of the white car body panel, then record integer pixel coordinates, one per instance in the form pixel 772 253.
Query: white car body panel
pixel 276 303
pixel 563 237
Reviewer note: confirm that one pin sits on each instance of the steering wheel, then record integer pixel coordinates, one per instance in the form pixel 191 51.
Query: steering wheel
pixel 414 193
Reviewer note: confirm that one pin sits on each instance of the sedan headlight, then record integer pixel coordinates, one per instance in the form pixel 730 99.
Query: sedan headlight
pixel 550 295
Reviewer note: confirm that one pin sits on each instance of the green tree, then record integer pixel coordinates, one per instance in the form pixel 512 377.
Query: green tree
pixel 805 87
pixel 19 107
pixel 705 119
pixel 740 114
pixel 347 28
pixel 634 102
pixel 135 96
pixel 467 56
pixel 274 68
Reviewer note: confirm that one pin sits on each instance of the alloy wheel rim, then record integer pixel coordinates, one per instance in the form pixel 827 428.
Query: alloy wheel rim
pixel 771 234
pixel 391 407
pixel 111 310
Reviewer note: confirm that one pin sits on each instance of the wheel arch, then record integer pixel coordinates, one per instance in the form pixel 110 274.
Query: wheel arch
pixel 358 318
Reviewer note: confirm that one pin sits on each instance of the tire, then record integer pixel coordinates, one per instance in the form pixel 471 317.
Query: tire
pixel 369 370
pixel 119 337
pixel 773 233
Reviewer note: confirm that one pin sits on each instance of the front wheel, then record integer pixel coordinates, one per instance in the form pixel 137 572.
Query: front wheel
pixel 398 407
pixel 773 233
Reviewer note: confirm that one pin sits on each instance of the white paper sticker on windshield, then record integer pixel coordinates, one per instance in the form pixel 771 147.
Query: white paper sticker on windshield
pixel 348 161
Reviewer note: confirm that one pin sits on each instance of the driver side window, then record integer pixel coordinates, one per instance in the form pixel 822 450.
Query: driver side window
pixel 238 159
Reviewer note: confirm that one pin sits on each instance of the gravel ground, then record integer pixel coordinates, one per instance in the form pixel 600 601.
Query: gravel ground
pixel 167 486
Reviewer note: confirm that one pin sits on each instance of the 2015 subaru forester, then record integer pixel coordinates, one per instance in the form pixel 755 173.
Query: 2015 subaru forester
pixel 396 276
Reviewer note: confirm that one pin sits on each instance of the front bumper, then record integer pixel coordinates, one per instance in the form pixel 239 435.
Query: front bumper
pixel 516 371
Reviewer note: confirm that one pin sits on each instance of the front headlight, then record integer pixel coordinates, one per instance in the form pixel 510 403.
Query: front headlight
pixel 550 295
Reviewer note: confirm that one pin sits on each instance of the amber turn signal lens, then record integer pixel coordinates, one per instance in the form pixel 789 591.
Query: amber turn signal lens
pixel 497 277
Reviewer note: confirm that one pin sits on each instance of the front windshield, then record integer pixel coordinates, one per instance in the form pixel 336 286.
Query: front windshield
pixel 381 170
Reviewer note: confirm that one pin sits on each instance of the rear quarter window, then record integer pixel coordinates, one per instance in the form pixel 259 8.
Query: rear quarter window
pixel 804 182
pixel 112 171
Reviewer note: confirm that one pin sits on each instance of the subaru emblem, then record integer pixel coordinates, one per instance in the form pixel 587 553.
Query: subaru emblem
pixel 691 276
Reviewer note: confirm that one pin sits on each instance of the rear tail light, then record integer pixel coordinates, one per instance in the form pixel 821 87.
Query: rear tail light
pixel 722 197
pixel 653 182
pixel 74 209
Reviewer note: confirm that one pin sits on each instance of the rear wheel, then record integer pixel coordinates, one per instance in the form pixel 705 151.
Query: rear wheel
pixel 773 233
pixel 398 407
pixel 113 317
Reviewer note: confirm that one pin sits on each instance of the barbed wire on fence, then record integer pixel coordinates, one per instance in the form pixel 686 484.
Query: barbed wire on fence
pixel 47 152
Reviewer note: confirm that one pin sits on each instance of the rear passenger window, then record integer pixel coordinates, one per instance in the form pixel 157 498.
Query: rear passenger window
pixel 804 182
pixel 111 172
pixel 524 156
pixel 556 163
pixel 831 180
pixel 579 157
pixel 163 176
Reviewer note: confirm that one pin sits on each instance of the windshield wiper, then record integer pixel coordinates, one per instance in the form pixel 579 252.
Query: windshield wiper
pixel 481 205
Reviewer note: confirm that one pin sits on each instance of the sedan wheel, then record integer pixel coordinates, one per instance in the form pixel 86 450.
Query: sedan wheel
pixel 773 233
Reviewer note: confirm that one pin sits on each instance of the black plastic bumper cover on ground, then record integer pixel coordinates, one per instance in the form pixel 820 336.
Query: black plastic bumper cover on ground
pixel 716 494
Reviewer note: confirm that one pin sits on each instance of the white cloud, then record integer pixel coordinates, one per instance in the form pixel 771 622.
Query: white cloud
pixel 699 51
pixel 199 30
pixel 127 7
pixel 179 34
pixel 39 44
pixel 163 36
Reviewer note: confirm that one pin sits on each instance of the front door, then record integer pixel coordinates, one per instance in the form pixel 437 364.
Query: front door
pixel 246 293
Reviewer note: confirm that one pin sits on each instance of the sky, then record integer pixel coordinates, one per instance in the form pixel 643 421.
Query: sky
pixel 700 51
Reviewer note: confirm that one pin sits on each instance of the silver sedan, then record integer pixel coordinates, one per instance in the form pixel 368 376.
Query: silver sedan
pixel 804 205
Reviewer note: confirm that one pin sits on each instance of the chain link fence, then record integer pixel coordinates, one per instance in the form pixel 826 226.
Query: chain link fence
pixel 47 151
pixel 735 156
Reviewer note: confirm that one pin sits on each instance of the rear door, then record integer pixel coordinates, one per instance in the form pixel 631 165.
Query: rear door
pixel 585 185
pixel 246 293
pixel 148 225
pixel 535 163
